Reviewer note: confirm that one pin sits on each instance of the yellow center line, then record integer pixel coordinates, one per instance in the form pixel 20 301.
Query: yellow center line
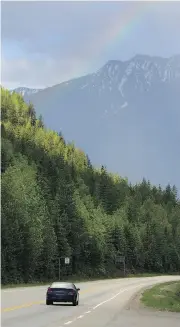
pixel 26 305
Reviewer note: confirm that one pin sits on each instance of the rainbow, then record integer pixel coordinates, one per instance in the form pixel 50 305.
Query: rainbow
pixel 121 26
pixel 118 28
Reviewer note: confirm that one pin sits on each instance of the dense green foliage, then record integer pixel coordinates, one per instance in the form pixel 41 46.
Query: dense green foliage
pixel 55 203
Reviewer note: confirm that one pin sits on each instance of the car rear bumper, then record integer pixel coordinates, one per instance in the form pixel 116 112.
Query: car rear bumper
pixel 56 298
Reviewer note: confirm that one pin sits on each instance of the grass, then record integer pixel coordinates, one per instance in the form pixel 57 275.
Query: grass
pixel 151 274
pixel 140 275
pixel 23 285
pixel 77 279
pixel 164 297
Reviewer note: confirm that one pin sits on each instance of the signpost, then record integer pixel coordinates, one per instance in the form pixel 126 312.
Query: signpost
pixel 121 259
pixel 66 261
pixel 59 268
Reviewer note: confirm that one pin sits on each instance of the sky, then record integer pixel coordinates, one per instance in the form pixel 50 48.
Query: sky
pixel 45 43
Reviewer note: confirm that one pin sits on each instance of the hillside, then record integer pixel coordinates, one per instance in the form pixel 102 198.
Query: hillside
pixel 56 203
pixel 126 110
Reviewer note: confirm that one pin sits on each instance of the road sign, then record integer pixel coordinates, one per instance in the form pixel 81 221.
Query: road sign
pixel 67 260
pixel 120 258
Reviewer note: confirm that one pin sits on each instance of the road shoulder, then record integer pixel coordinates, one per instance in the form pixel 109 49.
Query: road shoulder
pixel 136 305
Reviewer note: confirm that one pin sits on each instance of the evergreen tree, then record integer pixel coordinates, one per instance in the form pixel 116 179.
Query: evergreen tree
pixel 55 203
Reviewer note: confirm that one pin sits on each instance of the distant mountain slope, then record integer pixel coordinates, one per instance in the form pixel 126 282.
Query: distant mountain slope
pixel 126 116
pixel 25 91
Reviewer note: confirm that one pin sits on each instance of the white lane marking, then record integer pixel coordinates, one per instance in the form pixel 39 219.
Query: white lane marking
pixel 113 297
pixel 10 291
pixel 108 300
pixel 68 322
pixel 23 289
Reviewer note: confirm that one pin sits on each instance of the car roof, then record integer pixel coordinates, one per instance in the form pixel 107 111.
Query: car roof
pixel 62 285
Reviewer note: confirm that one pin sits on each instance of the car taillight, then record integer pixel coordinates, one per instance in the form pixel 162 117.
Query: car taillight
pixel 49 290
pixel 71 293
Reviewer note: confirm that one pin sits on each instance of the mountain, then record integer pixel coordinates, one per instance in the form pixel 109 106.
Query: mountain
pixel 25 91
pixel 51 191
pixel 125 116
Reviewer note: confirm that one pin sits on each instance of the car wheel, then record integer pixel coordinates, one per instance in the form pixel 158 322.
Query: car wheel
pixel 75 302
pixel 48 302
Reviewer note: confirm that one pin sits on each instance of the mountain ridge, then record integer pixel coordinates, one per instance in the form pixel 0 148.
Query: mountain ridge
pixel 125 110
pixel 112 61
pixel 25 91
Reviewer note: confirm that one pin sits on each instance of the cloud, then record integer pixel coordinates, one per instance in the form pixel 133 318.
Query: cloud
pixel 38 72
pixel 167 14
pixel 54 28
pixel 44 43
pixel 54 39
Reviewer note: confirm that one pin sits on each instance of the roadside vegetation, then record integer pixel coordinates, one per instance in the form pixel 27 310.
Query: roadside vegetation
pixel 79 279
pixel 55 203
pixel 164 297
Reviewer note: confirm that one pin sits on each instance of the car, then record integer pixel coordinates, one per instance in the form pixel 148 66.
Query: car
pixel 62 292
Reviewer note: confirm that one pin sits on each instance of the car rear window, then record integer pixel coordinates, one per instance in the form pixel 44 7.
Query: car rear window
pixel 62 285
pixel 60 289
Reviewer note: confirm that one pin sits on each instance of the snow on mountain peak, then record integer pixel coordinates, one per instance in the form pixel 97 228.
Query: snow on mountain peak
pixel 25 91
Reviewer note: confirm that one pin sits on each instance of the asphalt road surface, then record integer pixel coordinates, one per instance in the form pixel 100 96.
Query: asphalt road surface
pixel 102 304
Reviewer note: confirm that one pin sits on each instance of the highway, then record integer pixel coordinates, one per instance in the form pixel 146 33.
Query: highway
pixel 102 304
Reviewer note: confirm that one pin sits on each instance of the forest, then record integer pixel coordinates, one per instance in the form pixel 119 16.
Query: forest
pixel 56 204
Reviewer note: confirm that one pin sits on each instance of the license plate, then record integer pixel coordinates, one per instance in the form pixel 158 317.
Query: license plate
pixel 60 294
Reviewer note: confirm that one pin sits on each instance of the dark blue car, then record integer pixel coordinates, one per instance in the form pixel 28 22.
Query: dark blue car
pixel 62 292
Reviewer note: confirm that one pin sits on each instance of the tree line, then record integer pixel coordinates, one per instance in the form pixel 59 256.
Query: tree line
pixel 55 203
